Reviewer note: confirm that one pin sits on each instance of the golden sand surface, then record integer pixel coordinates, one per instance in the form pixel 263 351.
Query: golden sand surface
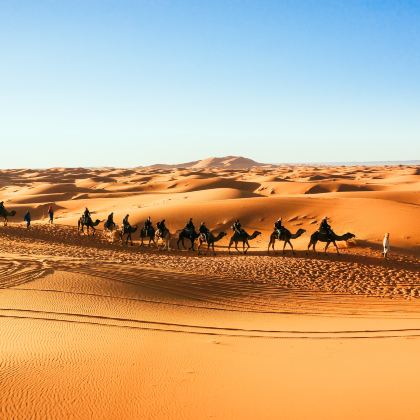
pixel 94 329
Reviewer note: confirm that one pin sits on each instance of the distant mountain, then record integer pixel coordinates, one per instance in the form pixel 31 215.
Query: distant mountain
pixel 227 162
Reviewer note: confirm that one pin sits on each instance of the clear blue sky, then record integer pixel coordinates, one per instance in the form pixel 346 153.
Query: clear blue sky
pixel 125 83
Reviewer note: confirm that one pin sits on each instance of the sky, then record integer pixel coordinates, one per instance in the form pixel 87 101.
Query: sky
pixel 128 83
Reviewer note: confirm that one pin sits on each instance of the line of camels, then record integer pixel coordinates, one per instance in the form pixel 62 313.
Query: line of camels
pixel 156 235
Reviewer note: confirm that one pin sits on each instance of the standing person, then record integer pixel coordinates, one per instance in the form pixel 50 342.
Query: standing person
pixel 27 219
pixel 386 245
pixel 51 215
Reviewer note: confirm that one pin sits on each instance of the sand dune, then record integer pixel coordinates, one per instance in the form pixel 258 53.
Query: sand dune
pixel 353 197
pixel 93 329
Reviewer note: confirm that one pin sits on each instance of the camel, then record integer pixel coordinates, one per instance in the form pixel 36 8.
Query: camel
pixel 187 234
pixel 211 239
pixel 324 237
pixel 244 238
pixel 5 214
pixel 148 233
pixel 165 236
pixel 128 230
pixel 88 223
pixel 285 236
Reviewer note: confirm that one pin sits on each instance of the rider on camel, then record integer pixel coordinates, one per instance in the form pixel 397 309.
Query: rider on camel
pixel 325 226
pixel 86 215
pixel 237 227
pixel 278 227
pixel 109 224
pixel 126 223
pixel 204 231
pixel 161 226
pixel 148 224
pixel 190 226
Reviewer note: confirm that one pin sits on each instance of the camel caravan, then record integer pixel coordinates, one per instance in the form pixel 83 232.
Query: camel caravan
pixel 160 235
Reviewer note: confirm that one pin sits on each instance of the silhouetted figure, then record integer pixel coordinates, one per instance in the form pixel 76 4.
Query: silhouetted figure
pixel 110 224
pixel 278 227
pixel 204 231
pixel 386 245
pixel 50 215
pixel 27 219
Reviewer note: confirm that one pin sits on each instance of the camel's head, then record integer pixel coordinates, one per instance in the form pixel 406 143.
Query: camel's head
pixel 257 233
pixel 301 231
pixel 349 235
pixel 222 234
pixel 13 213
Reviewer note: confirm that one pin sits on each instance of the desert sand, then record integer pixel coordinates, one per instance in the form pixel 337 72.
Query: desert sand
pixel 93 329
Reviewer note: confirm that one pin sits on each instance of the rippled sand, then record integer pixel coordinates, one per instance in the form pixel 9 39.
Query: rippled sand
pixel 94 330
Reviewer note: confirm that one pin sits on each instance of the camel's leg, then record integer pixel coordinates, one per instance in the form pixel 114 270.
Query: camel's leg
pixel 212 246
pixel 309 246
pixel 199 247
pixel 269 244
pixel 284 246
pixel 291 246
pixel 336 247
pixel 326 246
pixel 236 247
pixel 247 247
pixel 230 244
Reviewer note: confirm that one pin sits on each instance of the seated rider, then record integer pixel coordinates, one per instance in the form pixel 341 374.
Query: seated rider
pixel 204 231
pixel 148 224
pixel 110 221
pixel 126 223
pixel 325 226
pixel 190 226
pixel 278 227
pixel 161 226
pixel 86 215
pixel 237 227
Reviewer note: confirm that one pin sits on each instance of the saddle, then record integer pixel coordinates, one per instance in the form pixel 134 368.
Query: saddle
pixel 326 232
pixel 148 230
pixel 86 220
pixel 276 231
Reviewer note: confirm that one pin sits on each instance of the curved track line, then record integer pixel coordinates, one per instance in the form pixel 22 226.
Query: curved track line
pixel 211 308
pixel 195 329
